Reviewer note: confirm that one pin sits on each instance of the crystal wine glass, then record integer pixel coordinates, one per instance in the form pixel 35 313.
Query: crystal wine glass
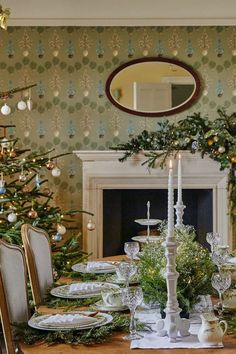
pixel 213 238
pixel 132 297
pixel 220 256
pixel 131 249
pixel 221 282
pixel 126 271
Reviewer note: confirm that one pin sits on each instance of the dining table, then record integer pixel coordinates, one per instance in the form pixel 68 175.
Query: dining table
pixel 116 344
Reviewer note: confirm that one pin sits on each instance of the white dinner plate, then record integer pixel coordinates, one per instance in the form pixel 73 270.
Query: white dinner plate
pixel 82 268
pixel 103 319
pixel 145 239
pixel 100 306
pixel 147 222
pixel 63 291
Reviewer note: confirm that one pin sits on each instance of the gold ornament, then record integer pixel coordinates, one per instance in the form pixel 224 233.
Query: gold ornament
pixel 90 225
pixel 50 165
pixel 210 142
pixel 32 214
pixel 233 159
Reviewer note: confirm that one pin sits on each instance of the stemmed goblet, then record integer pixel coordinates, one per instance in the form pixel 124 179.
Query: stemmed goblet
pixel 213 238
pixel 132 297
pixel 220 256
pixel 126 271
pixel 131 249
pixel 221 282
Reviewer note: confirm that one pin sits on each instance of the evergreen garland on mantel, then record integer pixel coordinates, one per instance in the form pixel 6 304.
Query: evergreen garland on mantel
pixel 216 138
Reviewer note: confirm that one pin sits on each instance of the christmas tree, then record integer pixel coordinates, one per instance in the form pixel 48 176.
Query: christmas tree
pixel 24 198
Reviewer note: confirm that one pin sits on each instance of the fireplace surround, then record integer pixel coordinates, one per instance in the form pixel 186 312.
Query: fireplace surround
pixel 102 170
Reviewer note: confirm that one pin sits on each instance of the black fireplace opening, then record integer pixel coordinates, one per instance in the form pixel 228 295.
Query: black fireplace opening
pixel 122 206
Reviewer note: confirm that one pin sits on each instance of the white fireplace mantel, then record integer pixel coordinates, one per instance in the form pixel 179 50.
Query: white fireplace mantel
pixel 102 170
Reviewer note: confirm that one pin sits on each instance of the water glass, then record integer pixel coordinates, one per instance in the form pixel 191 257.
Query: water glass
pixel 131 249
pixel 221 282
pixel 126 271
pixel 132 297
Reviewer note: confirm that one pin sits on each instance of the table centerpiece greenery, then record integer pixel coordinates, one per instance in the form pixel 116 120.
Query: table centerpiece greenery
pixel 194 266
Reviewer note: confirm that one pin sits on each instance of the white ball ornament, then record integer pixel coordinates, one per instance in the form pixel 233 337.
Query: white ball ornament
pixel 221 149
pixel 204 52
pixel 56 172
pixel 12 217
pixel 91 225
pixel 86 93
pixel 5 109
pixel 61 229
pixel 21 105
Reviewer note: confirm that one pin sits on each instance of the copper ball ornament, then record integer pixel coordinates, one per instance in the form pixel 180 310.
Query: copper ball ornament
pixel 32 214
pixel 50 165
pixel 22 177
pixel 46 191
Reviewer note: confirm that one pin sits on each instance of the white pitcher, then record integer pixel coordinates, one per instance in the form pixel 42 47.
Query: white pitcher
pixel 211 332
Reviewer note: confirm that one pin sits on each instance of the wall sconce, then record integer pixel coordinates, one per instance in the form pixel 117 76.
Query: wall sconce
pixel 4 15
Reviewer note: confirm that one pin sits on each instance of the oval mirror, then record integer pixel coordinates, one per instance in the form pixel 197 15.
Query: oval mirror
pixel 153 87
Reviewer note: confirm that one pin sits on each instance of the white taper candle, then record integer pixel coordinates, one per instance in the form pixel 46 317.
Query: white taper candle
pixel 179 200
pixel 170 202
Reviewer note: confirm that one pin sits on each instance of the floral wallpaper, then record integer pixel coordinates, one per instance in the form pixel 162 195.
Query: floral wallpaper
pixel 70 66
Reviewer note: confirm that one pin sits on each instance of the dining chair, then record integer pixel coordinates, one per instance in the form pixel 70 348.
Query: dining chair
pixel 13 293
pixel 38 254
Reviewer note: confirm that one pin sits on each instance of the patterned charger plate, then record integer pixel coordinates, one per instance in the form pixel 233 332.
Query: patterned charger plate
pixel 64 291
pixel 102 319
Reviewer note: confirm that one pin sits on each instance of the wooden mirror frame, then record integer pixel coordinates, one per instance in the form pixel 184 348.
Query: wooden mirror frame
pixel 168 112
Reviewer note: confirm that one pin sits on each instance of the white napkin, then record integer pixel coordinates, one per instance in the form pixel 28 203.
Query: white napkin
pixel 231 260
pixel 84 288
pixel 98 265
pixel 67 319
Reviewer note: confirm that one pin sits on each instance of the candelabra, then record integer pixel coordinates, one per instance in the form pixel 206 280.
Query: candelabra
pixel 172 325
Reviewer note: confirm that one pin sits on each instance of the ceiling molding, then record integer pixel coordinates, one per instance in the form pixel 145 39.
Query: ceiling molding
pixel 121 12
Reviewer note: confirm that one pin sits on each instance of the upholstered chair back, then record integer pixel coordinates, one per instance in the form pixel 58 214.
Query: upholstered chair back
pixel 39 260
pixel 13 291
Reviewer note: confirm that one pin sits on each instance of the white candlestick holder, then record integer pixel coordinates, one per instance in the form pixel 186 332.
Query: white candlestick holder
pixel 179 210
